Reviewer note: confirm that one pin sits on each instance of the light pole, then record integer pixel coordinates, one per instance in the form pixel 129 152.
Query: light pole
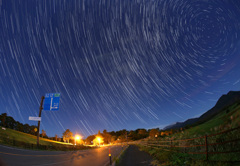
pixel 77 137
pixel 99 139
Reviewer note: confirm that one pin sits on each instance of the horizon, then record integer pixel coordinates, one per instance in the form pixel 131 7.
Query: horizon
pixel 117 64
pixel 159 127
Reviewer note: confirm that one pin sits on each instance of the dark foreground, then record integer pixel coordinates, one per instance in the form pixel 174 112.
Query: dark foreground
pixel 92 157
pixel 135 157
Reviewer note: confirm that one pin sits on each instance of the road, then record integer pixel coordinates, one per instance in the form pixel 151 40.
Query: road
pixel 133 156
pixel 10 156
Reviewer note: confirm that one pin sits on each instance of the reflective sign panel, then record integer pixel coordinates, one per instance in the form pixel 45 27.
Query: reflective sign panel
pixel 51 102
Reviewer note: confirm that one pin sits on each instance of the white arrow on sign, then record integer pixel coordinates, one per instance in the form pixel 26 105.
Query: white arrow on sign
pixel 35 118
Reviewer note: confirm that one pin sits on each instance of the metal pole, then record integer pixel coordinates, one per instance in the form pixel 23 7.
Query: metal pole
pixel 110 156
pixel 127 137
pixel 40 112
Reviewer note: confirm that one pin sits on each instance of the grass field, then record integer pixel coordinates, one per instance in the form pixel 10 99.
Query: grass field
pixel 11 137
pixel 23 137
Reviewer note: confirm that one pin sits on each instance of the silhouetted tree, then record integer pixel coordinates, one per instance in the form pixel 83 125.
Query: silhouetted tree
pixel 113 139
pixel 67 135
pixel 89 139
pixel 99 134
pixel 32 128
pixel 3 119
pixel 112 133
pixel 19 126
pixel 106 136
pixel 56 137
pixel 132 135
pixel 44 134
pixel 26 128
pixel 142 133
pixel 121 132
pixel 105 132
pixel 153 133
pixel 10 122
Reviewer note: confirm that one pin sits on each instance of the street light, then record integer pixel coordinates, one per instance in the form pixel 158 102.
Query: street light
pixel 77 137
pixel 99 139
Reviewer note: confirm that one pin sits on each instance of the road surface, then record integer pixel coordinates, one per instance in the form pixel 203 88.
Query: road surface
pixel 133 156
pixel 10 156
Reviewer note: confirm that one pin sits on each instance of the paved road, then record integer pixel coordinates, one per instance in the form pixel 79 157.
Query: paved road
pixel 92 157
pixel 135 157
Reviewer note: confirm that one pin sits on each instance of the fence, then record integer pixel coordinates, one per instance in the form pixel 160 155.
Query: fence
pixel 226 142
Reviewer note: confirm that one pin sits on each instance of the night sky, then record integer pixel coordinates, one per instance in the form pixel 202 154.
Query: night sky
pixel 118 64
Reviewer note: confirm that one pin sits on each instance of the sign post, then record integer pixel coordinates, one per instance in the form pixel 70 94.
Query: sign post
pixel 40 112
pixel 51 103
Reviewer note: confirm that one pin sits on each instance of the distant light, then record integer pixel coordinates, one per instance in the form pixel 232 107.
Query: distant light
pixel 77 137
pixel 99 140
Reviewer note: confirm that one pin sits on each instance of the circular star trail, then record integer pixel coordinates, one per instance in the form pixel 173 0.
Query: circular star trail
pixel 117 64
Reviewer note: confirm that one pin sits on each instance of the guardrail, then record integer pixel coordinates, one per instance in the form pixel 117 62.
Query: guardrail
pixel 225 142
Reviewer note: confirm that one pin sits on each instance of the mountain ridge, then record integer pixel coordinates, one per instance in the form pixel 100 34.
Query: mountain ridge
pixel 225 100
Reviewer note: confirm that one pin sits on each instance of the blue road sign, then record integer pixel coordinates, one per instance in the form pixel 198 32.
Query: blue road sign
pixel 51 102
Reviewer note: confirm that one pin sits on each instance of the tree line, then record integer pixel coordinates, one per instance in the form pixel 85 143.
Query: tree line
pixel 105 137
pixel 123 135
pixel 11 123
pixel 116 136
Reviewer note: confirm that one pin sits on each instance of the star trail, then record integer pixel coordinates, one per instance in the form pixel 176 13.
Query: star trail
pixel 118 64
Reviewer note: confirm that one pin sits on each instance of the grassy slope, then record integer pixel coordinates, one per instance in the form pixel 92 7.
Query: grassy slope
pixel 223 121
pixel 28 138
pixel 228 118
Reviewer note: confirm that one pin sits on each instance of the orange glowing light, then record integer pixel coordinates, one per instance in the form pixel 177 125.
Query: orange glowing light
pixel 77 137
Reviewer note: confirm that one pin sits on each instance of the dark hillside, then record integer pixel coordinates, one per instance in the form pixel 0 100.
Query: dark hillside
pixel 223 102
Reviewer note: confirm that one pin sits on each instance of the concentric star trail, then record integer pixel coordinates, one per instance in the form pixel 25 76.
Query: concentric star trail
pixel 118 64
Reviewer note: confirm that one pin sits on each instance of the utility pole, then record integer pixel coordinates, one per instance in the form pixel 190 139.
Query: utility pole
pixel 40 112
pixel 127 137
